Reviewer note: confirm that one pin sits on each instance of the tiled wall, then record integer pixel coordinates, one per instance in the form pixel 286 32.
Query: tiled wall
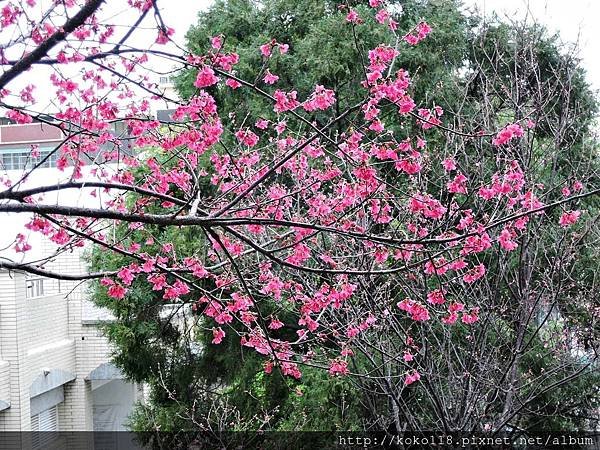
pixel 47 333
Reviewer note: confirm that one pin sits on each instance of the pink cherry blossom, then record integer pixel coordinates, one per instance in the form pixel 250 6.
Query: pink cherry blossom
pixel 206 77
pixel 126 276
pixel 470 317
pixel 506 240
pixel 458 184
pixel 247 137
pixel 269 78
pixel 507 134
pixel 18 116
pixel 412 377
pixel 266 49
pixel 285 101
pixel 320 99
pixel 417 311
pixel 216 42
pixel 436 297
pixel 353 16
pixel 338 367
pixel 262 124
pixel 117 291
pixel 233 84
pixel 449 164
pixel 275 324
pixel 218 335
pixel 164 35
pixel 420 32
pixel 310 207
pixel 474 274
pixel 568 218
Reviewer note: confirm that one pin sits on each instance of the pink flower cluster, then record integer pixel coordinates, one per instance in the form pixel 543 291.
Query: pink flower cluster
pixel 267 49
pixel 427 206
pixel 420 32
pixel 247 137
pixel 507 134
pixel 436 297
pixel 411 378
pixel 218 335
pixel 417 311
pixel 9 15
pixel 285 101
pixel 458 184
pixel 430 117
pixel 21 244
pixel 453 309
pixel 206 77
pixel 320 99
pixel 270 78
pixel 568 218
pixel 353 17
pixel 115 290
pixel 338 367
pixel 506 240
pixel 18 116
pixel 164 35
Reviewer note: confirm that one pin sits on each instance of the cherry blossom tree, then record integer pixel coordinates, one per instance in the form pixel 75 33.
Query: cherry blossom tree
pixel 373 238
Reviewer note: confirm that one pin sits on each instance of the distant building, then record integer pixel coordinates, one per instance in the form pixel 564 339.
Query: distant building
pixel 55 370
pixel 16 142
pixel 165 115
pixel 168 92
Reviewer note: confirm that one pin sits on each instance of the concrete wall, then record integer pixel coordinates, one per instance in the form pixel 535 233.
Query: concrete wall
pixel 45 343
pixel 13 350
pixel 34 345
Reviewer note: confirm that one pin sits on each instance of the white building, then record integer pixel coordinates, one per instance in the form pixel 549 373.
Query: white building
pixel 55 370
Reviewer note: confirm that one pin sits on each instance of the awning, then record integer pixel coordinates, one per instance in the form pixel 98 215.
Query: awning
pixel 105 371
pixel 48 380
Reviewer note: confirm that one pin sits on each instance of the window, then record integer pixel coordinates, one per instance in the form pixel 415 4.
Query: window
pixel 164 80
pixel 34 287
pixel 45 421
pixel 42 423
pixel 20 159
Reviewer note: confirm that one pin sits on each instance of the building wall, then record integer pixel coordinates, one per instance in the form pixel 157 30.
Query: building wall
pixel 47 335
pixel 56 335
pixel 34 340
pixel 91 347
pixel 29 133
pixel 13 351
